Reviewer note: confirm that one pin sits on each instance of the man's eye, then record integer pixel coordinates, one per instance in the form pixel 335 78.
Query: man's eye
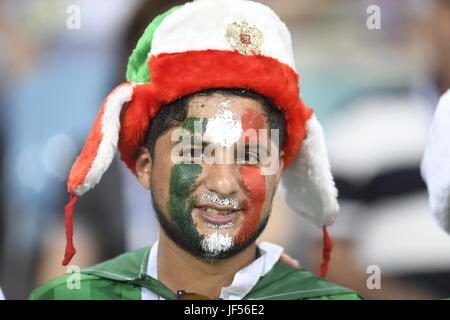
pixel 253 157
pixel 191 152
pixel 249 158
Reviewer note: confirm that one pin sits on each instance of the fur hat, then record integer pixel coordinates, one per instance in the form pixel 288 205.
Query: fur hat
pixel 211 44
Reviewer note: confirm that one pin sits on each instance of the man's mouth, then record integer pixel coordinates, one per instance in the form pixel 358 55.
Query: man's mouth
pixel 217 215
pixel 218 212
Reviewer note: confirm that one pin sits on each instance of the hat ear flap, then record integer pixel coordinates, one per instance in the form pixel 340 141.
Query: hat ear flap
pixel 307 185
pixel 101 145
pixel 96 156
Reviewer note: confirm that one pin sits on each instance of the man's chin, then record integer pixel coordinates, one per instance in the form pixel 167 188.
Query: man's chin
pixel 209 231
pixel 213 244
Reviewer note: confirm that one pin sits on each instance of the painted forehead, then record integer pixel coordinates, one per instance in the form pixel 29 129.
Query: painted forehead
pixel 228 119
pixel 227 107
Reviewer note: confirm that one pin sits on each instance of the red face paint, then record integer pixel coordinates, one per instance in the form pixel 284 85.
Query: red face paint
pixel 255 183
pixel 252 119
pixel 253 180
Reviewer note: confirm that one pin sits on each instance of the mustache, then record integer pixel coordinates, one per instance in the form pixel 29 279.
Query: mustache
pixel 212 198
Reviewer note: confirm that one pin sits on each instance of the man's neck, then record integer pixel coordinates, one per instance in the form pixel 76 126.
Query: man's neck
pixel 178 270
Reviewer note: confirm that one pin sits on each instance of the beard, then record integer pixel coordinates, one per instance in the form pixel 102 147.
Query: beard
pixel 199 246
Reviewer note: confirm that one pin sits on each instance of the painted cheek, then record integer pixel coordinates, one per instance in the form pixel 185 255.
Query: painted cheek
pixel 255 184
pixel 252 179
pixel 183 176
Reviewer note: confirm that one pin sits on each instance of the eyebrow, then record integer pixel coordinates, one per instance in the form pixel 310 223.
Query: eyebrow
pixel 260 147
pixel 206 142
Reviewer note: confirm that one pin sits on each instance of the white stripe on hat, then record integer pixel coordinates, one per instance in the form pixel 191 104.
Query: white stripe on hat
pixel 110 127
pixel 201 25
pixel 307 185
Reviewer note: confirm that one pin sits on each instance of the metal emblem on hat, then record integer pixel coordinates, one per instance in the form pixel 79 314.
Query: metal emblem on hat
pixel 244 38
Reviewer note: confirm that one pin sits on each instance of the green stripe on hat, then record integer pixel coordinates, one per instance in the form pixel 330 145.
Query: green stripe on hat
pixel 137 69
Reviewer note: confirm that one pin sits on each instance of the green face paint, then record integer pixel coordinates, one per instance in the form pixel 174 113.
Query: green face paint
pixel 190 140
pixel 183 175
pixel 189 124
pixel 180 204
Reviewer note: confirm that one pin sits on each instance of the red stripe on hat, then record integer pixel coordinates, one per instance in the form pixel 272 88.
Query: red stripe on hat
pixel 83 163
pixel 174 75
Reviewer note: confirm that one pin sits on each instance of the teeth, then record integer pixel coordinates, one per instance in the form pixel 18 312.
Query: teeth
pixel 220 226
pixel 217 212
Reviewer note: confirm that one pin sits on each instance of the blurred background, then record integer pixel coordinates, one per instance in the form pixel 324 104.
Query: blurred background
pixel 374 90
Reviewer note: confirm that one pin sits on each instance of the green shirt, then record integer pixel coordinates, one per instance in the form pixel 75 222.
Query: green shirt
pixel 123 277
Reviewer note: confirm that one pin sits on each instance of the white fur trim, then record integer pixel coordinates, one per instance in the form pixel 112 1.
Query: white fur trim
pixel 307 185
pixel 110 127
pixel 201 25
pixel 436 163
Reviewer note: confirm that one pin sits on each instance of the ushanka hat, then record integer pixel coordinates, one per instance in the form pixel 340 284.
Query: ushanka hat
pixel 211 44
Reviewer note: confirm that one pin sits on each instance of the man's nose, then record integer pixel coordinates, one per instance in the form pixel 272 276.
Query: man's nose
pixel 222 179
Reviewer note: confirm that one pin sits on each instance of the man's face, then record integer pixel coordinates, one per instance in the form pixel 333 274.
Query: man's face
pixel 210 193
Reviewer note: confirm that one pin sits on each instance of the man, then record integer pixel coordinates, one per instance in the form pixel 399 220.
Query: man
pixel 208 121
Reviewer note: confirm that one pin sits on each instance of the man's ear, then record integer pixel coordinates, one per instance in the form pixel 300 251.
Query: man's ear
pixel 143 167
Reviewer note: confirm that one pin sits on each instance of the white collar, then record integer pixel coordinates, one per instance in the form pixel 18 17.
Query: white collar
pixel 244 280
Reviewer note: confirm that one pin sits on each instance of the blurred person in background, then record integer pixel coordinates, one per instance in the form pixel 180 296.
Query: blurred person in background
pixel 44 119
pixel 435 165
pixel 376 137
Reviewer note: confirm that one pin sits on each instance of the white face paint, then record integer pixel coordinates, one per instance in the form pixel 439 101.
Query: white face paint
pixel 221 202
pixel 224 104
pixel 224 128
pixel 216 243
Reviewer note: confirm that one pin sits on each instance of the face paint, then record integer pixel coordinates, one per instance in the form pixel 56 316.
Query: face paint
pixel 250 143
pixel 193 123
pixel 268 146
pixel 188 136
pixel 223 129
pixel 224 104
pixel 182 179
pixel 251 120
pixel 255 185
pixel 216 243
pixel 221 202
pixel 252 179
pixel 180 217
